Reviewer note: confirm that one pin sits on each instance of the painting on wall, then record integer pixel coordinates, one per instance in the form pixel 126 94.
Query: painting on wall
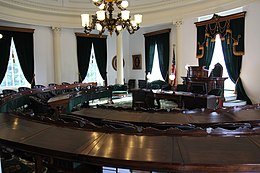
pixel 137 62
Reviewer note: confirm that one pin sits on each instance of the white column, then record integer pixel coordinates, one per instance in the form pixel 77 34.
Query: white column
pixel 57 54
pixel 178 51
pixel 119 55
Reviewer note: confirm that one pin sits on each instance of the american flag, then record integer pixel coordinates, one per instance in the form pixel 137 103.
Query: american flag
pixel 173 70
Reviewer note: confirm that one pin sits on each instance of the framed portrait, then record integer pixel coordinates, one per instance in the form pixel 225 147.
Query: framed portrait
pixel 137 62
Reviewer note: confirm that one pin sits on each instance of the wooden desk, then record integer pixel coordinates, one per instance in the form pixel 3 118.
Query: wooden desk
pixel 157 153
pixel 65 102
pixel 210 82
pixel 186 100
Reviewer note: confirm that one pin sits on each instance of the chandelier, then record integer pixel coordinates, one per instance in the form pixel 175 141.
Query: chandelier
pixel 104 19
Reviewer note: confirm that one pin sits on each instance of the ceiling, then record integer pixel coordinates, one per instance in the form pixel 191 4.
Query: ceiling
pixel 66 13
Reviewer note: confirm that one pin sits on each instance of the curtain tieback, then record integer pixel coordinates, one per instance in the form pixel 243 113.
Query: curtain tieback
pixel 33 79
pixel 235 91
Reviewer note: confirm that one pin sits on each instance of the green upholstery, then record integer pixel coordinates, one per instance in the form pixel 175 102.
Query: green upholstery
pixel 119 90
pixel 159 84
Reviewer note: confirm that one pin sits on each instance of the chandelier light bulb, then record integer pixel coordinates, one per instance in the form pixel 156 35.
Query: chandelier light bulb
pixel 101 15
pixel 125 14
pixel 85 19
pixel 124 4
pixel 133 23
pixel 104 18
pixel 138 18
pixel 99 27
pixel 102 6
pixel 1 36
pixel 119 27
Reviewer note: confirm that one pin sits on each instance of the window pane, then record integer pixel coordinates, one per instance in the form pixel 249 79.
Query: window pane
pixel 14 76
pixel 156 72
pixel 93 74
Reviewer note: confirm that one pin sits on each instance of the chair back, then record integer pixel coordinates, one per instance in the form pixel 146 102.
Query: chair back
pixel 52 84
pixel 217 71
pixel 38 86
pixel 8 92
pixel 142 84
pixel 20 89
pixel 138 96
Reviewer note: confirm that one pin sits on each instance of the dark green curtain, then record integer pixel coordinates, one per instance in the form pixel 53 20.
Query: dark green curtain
pixel 83 51
pixel 25 51
pixel 233 53
pixel 149 53
pixel 163 45
pixel 231 30
pixel 100 48
pixel 5 44
pixel 208 54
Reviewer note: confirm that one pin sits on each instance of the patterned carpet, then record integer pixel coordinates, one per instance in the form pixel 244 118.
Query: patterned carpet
pixel 126 102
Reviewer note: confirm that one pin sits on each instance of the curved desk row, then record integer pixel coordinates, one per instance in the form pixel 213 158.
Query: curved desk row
pixel 80 93
pixel 158 153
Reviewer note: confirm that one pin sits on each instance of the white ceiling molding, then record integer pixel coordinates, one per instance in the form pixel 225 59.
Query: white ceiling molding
pixel 66 13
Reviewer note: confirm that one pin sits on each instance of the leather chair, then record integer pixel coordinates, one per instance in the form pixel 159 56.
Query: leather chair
pixel 38 86
pixel 217 71
pixel 142 84
pixel 131 84
pixel 7 92
pixel 20 89
pixel 138 99
pixel 52 84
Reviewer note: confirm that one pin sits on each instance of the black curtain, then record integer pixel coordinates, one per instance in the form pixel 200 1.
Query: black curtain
pixel 149 53
pixel 163 45
pixel 163 42
pixel 100 48
pixel 5 44
pixel 83 52
pixel 25 52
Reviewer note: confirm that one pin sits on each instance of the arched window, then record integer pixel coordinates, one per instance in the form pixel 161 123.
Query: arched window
pixel 93 74
pixel 14 77
pixel 156 72
pixel 218 57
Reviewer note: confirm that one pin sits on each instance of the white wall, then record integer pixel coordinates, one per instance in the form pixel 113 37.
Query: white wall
pixel 251 60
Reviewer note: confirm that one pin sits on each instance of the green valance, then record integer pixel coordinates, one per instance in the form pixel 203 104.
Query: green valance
pixel 233 25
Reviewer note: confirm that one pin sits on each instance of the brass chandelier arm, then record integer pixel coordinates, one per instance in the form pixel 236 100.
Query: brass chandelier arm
pixel 103 19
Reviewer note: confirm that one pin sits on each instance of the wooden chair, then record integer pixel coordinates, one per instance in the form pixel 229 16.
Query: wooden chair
pixel 65 83
pixel 20 89
pixel 138 99
pixel 38 86
pixel 142 84
pixel 217 71
pixel 52 84
pixel 7 92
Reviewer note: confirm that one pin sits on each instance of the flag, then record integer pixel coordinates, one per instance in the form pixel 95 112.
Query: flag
pixel 173 69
